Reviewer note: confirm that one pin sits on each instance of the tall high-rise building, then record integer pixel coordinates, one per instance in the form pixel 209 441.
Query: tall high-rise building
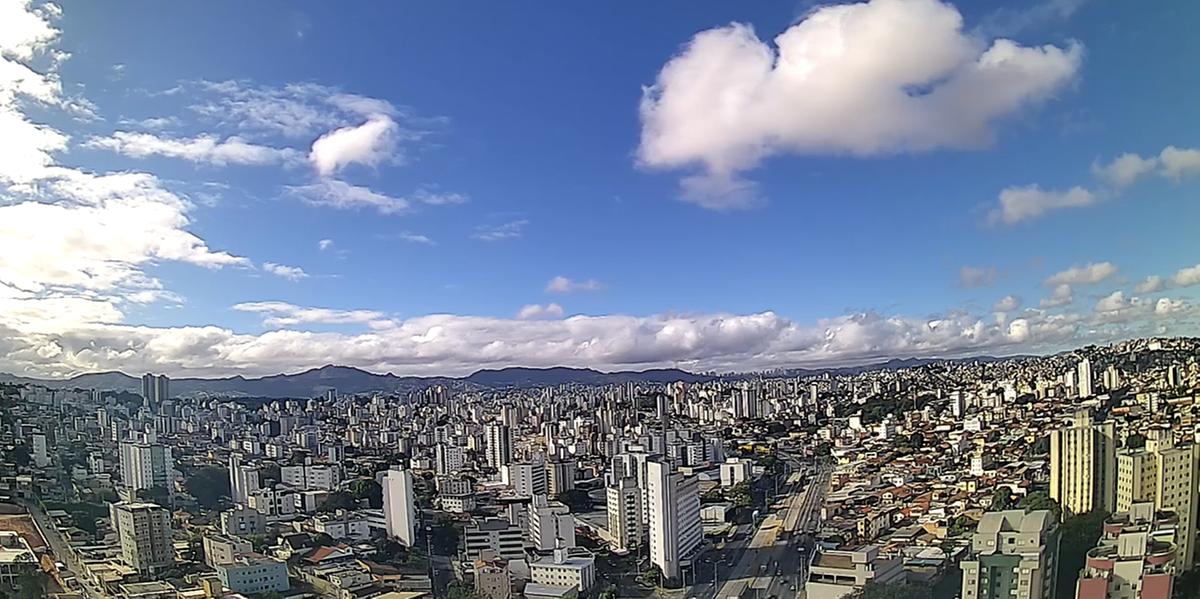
pixel 1135 557
pixel 674 516
pixel 624 509
pixel 1084 378
pixel 399 510
pixel 498 439
pixel 1014 555
pixel 551 525
pixel 155 388
pixel 560 476
pixel 526 478
pixel 40 453
pixel 243 479
pixel 447 459
pixel 144 530
pixel 1166 475
pixel 145 465
pixel 1082 465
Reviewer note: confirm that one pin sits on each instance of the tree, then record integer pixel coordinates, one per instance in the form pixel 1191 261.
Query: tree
pixel 340 500
pixel 740 494
pixel 31 584
pixel 1002 499
pixel 460 591
pixel 962 525
pixel 874 590
pixel 1039 500
pixel 577 500
pixel 1078 534
pixel 1135 441
pixel 444 535
pixel 366 488
pixel 208 485
pixel 324 540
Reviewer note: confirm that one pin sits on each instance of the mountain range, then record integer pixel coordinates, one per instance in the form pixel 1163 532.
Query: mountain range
pixel 349 380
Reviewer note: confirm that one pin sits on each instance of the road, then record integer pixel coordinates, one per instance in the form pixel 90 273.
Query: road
pixel 771 562
pixel 61 550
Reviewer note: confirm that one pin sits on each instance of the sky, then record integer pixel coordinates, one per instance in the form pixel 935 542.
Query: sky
pixel 219 188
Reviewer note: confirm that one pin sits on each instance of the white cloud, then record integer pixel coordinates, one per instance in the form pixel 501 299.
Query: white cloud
pixel 369 144
pixel 502 232
pixel 538 311
pixel 436 198
pixel 1151 284
pixel 974 276
pixel 1088 274
pixel 1113 302
pixel 203 149
pixel 1007 303
pixel 411 237
pixel 453 344
pixel 1022 203
pixel 1061 296
pixel 339 194
pixel 295 110
pixel 1186 277
pixel 1124 170
pixel 291 273
pixel 280 314
pixel 561 284
pixel 1166 306
pixel 1179 162
pixel 865 79
pixel 324 244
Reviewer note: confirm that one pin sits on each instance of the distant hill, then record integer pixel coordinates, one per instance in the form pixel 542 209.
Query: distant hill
pixel 347 379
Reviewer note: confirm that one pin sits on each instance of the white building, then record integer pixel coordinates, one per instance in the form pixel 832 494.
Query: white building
pixel 674 517
pixel 243 479
pixel 735 470
pixel 145 465
pixel 41 457
pixel 250 574
pixel 563 569
pixel 243 521
pixel 496 535
pixel 624 509
pixel 398 507
pixel 312 477
pixel 551 525
pixel 1083 465
pixel 144 530
pixel 526 479
pixel 448 459
pixel 838 573
pixel 498 438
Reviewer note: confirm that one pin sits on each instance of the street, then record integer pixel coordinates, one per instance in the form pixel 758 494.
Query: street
pixel 60 549
pixel 771 562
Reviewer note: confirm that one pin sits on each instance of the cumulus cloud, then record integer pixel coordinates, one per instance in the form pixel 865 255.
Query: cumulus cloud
pixel 368 144
pixel 502 232
pixel 75 245
pixel 1007 303
pixel 1023 203
pixel 291 273
pixel 1186 277
pixel 561 284
pixel 281 314
pixel 1179 162
pixel 1088 274
pixel 1151 284
pixel 864 79
pixel 324 244
pixel 332 193
pixel 1061 296
pixel 1124 170
pixel 202 149
pixel 452 344
pixel 975 276
pixel 536 311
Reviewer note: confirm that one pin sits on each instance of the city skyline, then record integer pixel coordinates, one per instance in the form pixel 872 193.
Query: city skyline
pixel 433 190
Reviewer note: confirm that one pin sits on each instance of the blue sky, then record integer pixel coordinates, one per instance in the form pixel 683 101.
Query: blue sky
pixel 721 213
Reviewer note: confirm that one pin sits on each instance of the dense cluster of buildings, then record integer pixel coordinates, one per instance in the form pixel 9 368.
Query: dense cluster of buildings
pixel 915 475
